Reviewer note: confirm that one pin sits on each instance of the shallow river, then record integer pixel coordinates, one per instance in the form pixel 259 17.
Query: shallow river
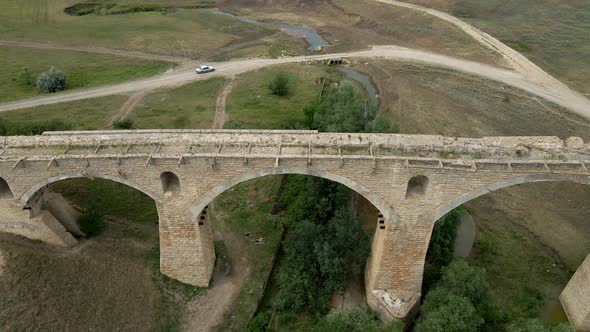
pixel 313 38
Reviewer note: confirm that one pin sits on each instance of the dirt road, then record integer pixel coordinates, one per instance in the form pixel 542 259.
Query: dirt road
pixel 516 60
pixel 558 94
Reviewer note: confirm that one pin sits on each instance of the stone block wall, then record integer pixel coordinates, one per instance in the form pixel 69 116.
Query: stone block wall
pixel 376 166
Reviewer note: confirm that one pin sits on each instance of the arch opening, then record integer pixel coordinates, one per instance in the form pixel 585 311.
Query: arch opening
pixel 125 251
pixel 534 225
pixel 385 209
pixel 5 191
pixel 417 186
pixel 248 210
pixel 170 182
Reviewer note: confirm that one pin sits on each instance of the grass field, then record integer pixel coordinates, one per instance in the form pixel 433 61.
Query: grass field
pixel 252 105
pixel 190 106
pixel 554 34
pixel 111 198
pixel 82 115
pixel 181 32
pixel 82 69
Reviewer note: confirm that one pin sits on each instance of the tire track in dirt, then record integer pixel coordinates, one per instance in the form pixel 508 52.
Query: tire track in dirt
pixel 127 108
pixel 220 116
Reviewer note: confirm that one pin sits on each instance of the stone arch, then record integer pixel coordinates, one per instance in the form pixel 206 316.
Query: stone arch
pixel 381 204
pixel 417 186
pixel 170 182
pixel 480 191
pixel 5 191
pixel 574 296
pixel 24 199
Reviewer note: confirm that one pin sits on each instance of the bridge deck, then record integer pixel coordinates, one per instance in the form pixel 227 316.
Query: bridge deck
pixel 513 154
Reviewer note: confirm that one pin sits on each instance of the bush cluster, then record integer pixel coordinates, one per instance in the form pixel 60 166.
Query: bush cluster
pixel 11 129
pixel 279 85
pixel 91 223
pixel 123 124
pixel 53 80
pixel 344 108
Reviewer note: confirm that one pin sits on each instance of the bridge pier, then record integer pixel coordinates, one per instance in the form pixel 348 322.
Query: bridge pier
pixel 394 272
pixel 186 242
pixel 574 298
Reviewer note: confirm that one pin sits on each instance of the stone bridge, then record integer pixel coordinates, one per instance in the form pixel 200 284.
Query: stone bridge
pixel 413 180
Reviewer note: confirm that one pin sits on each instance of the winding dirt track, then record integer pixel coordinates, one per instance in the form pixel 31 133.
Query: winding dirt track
pixel 558 94
pixel 527 76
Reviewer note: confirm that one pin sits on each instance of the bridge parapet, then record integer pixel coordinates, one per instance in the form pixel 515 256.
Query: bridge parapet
pixel 512 154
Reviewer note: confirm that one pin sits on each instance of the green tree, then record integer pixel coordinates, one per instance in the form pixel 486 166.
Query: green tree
pixel 318 259
pixel 53 80
pixel 440 251
pixel 279 85
pixel 444 311
pixel 355 319
pixel 466 281
pixel 344 108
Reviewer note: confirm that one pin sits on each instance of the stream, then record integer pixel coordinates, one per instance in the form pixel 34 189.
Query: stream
pixel 313 38
pixel 364 80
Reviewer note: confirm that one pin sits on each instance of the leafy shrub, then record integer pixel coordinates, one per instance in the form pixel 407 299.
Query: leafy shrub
pixel 53 80
pixel 8 129
pixel 91 223
pixel 25 77
pixel 440 251
pixel 259 323
pixel 279 85
pixel 319 258
pixel 344 108
pixel 123 124
pixel 355 319
pixel 445 311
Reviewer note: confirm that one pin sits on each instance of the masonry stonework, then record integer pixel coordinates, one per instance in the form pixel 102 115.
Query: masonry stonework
pixel 450 172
